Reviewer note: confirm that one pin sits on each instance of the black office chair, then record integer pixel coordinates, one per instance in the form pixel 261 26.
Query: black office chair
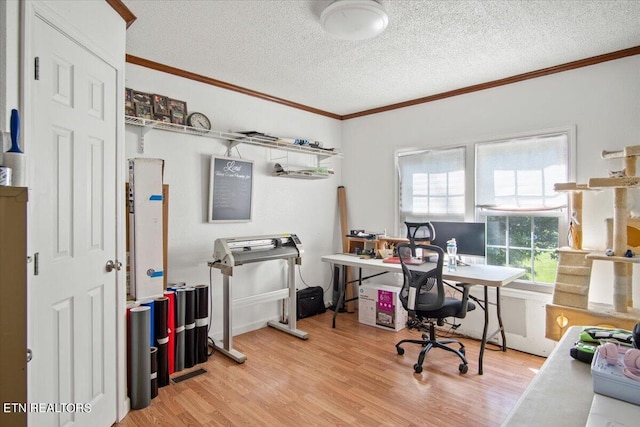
pixel 419 232
pixel 423 296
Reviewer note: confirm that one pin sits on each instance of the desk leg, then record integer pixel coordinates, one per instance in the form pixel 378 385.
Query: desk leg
pixel 341 290
pixel 502 334
pixel 483 344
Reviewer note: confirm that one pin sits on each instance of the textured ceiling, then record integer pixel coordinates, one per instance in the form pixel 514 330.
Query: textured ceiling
pixel 430 47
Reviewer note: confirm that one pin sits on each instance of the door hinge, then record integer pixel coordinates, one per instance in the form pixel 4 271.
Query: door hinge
pixel 36 268
pixel 37 67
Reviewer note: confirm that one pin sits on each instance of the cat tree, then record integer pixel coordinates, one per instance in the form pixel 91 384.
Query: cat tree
pixel 570 301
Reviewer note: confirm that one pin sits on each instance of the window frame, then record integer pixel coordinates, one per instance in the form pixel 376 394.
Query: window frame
pixel 399 215
pixel 561 213
pixel 472 212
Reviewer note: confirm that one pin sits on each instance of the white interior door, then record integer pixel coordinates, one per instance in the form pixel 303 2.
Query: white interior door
pixel 73 231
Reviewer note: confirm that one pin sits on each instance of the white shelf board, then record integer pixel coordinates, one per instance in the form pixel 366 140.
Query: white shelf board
pixel 301 175
pixel 232 138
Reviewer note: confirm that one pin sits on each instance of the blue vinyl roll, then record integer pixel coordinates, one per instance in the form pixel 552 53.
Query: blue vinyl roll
pixel 152 332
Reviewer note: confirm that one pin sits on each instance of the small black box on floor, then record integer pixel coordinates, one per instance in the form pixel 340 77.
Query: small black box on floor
pixel 310 302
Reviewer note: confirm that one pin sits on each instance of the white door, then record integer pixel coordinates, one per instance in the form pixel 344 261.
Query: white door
pixel 73 231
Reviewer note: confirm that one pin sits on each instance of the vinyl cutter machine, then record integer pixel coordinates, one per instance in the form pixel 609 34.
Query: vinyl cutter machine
pixel 232 252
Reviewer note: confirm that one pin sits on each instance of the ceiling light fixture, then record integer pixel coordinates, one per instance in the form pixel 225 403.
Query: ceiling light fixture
pixel 354 19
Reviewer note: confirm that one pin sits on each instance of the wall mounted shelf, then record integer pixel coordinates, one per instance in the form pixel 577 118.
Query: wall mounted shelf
pixel 232 138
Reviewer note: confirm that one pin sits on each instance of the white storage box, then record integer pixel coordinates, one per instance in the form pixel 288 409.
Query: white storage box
pixel 610 381
pixel 379 305
pixel 146 255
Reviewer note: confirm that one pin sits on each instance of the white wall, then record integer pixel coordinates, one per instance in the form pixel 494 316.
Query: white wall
pixel 281 205
pixel 602 101
pixel 9 63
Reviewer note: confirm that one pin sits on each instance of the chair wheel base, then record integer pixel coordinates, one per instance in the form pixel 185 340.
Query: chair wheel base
pixel 417 368
pixel 400 350
pixel 463 368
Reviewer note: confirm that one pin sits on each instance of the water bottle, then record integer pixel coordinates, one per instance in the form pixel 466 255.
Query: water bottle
pixel 452 250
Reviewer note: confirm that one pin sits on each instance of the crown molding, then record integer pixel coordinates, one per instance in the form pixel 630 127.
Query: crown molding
pixel 501 82
pixel 224 85
pixel 462 91
pixel 123 11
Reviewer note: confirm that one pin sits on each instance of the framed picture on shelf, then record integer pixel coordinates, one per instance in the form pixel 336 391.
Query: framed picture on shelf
pixel 161 118
pixel 141 98
pixel 161 105
pixel 128 98
pixel 178 111
pixel 144 111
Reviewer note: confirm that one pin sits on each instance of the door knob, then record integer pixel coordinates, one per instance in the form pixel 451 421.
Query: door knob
pixel 111 265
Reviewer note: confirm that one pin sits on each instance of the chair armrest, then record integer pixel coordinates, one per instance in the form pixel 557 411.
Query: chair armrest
pixel 466 287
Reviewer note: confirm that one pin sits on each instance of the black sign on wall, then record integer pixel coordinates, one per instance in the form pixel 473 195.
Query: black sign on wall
pixel 230 190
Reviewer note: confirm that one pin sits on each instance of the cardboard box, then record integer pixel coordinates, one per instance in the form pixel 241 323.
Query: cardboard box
pixel 379 305
pixel 146 255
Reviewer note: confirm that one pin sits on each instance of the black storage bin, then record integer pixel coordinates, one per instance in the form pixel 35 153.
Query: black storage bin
pixel 310 302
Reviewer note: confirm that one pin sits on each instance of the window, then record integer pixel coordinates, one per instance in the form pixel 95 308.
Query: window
pixel 432 185
pixel 524 241
pixel 514 195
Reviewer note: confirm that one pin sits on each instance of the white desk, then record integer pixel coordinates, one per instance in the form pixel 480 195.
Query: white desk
pixel 562 394
pixel 475 274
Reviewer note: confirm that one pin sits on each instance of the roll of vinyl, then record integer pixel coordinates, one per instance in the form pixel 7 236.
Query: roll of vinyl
pixel 190 328
pixel 154 371
pixel 202 322
pixel 152 332
pixel 140 392
pixel 162 340
pixel 181 295
pixel 171 345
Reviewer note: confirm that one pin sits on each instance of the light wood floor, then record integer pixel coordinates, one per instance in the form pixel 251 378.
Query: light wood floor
pixel 350 375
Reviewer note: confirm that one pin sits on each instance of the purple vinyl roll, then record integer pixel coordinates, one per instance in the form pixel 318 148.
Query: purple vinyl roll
pixel 190 328
pixel 162 339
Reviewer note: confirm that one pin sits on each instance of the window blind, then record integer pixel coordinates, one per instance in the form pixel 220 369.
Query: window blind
pixel 519 174
pixel 432 184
